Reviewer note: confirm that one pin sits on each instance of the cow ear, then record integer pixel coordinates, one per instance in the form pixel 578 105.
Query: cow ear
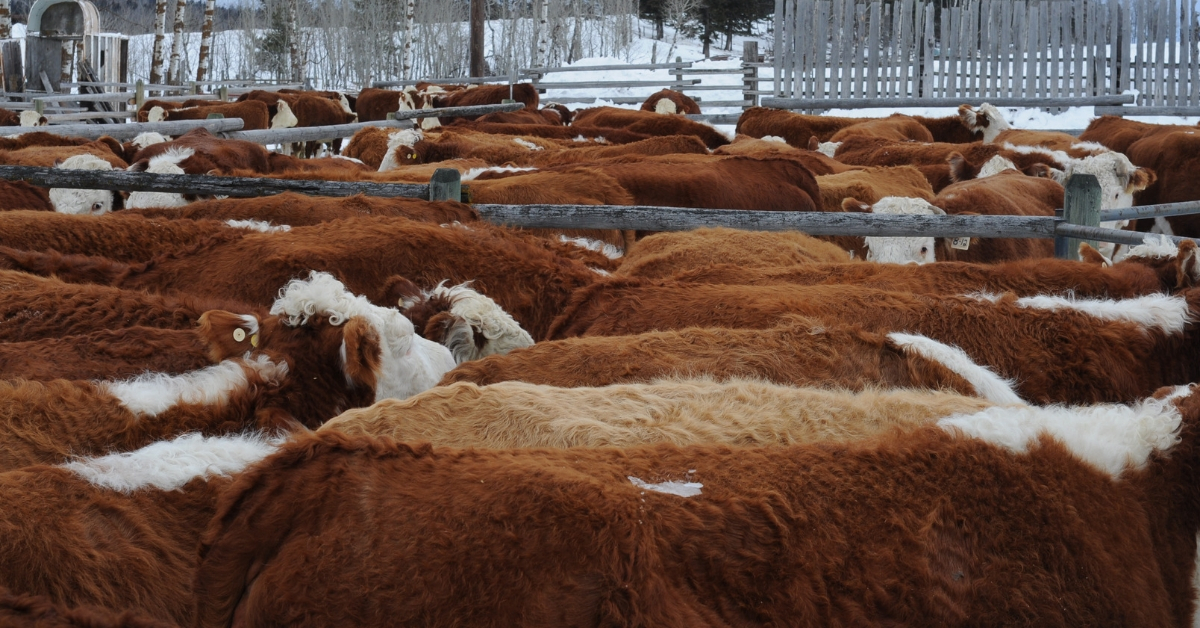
pixel 140 166
pixel 959 168
pixel 852 204
pixel 362 354
pixel 399 292
pixel 1188 266
pixel 1092 256
pixel 1142 178
pixel 1039 170
pixel 227 334
pixel 813 143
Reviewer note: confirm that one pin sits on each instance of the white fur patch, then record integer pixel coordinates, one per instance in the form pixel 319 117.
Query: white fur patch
pixel 85 202
pixel 674 487
pixel 1109 437
pixel 988 385
pixel 257 225
pixel 410 363
pixel 995 166
pixel 773 138
pixel 471 174
pixel 1153 245
pixel 828 148
pixel 479 314
pixel 1166 313
pixel 151 394
pixel 891 250
pixel 357 161
pixel 283 118
pixel 527 144
pixel 170 465
pixel 31 117
pixel 607 250
pixel 149 138
pixel 665 106
pixel 166 163
pixel 1162 226
pixel 1093 147
pixel 156 114
pixel 996 123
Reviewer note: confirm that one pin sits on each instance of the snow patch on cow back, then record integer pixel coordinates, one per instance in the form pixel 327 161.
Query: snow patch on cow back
pixel 170 465
pixel 75 201
pixel 1109 437
pixel 893 250
pixel 988 385
pixel 257 225
pixel 410 364
pixel 1168 314
pixel 151 394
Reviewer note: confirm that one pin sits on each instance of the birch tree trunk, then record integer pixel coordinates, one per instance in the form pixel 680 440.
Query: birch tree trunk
pixel 206 37
pixel 5 19
pixel 68 52
pixel 410 14
pixel 577 36
pixel 543 34
pixel 176 44
pixel 160 27
pixel 293 26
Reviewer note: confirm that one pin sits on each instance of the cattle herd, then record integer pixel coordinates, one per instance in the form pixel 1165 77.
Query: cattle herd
pixel 362 411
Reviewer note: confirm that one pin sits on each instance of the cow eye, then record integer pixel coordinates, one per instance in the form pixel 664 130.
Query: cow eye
pixel 97 207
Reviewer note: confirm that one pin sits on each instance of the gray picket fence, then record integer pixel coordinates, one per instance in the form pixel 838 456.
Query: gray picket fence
pixel 988 48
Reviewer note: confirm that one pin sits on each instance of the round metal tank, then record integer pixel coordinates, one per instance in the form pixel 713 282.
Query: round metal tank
pixel 63 19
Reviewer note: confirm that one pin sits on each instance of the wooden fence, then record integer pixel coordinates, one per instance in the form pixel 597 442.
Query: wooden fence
pixel 988 48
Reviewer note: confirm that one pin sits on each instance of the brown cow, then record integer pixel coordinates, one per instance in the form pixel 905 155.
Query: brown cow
pixel 195 152
pixel 663 255
pixel 298 210
pixel 40 138
pixel 1008 193
pixel 254 114
pixel 552 114
pixel 121 236
pixel 573 132
pixel 105 354
pixel 21 195
pixel 896 127
pixel 1117 353
pixel 1118 133
pixel 794 128
pixel 663 145
pixel 649 123
pixel 869 183
pixel 525 93
pixel 818 163
pixel 669 101
pixel 1173 157
pixel 965 523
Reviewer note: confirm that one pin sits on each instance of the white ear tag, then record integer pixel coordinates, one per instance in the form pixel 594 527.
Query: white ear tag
pixel 961 244
pixel 239 334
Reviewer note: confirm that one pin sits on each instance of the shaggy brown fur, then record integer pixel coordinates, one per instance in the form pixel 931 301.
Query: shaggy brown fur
pixel 1053 140
pixel 870 151
pixel 1023 278
pixel 525 93
pixel 552 114
pixel 962 531
pixel 368 145
pixel 32 611
pixel 1009 193
pixel 1174 158
pixel 120 236
pixel 21 195
pixel 40 138
pixel 1105 360
pixel 586 131
pixel 496 150
pixel 666 145
pixel 571 186
pixel 795 128
pixel 896 127
pixel 143 112
pixel 301 209
pixel 949 129
pixel 680 101
pixel 665 254
pixel 77 544
pixel 818 163
pixel 105 354
pixel 798 352
pixel 527 276
pixel 685 412
pixel 286 164
pixel 1119 133
pixel 50 156
pixel 649 123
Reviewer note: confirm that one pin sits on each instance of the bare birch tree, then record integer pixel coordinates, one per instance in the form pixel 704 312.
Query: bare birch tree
pixel 173 75
pixel 543 34
pixel 5 19
pixel 206 37
pixel 160 27
pixel 293 38
pixel 677 13
pixel 410 15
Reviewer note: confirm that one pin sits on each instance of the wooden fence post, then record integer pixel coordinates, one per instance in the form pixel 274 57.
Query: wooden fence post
pixel 224 93
pixel 139 94
pixel 678 73
pixel 445 185
pixel 1081 206
pixel 750 74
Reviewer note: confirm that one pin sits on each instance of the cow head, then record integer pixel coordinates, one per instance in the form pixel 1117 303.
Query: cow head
pixel 1177 265
pixel 408 363
pixel 895 250
pixel 1119 179
pixel 283 118
pixel 987 120
pixel 29 117
pixel 331 367
pixel 72 201
pixel 401 149
pixel 166 163
pixel 470 324
pixel 157 114
pixel 554 109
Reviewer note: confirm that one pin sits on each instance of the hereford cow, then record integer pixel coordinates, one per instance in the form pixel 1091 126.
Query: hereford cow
pixel 798 351
pixel 665 254
pixel 121 236
pixel 468 323
pixel 987 120
pixel 298 210
pixel 254 114
pixel 552 114
pixel 208 153
pixel 964 522
pixel 664 145
pixel 649 123
pixel 106 353
pixel 573 132
pixel 1119 133
pixel 681 412
pixel 819 163
pixel 1118 351
pixel 119 531
pixel 525 93
pixel 1173 158
pixel 669 101
pixel 896 127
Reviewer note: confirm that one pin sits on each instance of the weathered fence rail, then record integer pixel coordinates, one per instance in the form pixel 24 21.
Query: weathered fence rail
pixel 124 132
pixel 822 104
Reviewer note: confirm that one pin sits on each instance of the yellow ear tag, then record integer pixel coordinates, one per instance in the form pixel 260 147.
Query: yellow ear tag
pixel 254 340
pixel 239 334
